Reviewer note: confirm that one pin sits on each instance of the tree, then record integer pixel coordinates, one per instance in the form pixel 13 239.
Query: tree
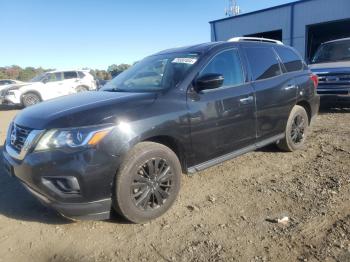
pixel 115 70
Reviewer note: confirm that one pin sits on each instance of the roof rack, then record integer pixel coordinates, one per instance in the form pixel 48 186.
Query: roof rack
pixel 257 39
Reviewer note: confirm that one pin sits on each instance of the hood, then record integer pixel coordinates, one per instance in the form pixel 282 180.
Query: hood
pixel 333 67
pixel 83 109
pixel 13 86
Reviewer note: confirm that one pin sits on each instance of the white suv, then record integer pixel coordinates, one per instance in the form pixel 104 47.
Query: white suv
pixel 47 86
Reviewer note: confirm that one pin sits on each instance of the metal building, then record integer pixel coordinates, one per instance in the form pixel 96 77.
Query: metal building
pixel 303 24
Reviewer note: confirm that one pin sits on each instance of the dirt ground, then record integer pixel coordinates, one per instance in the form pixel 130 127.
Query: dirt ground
pixel 225 213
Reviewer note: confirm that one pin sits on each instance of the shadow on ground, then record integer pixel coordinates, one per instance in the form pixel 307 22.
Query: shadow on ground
pixel 334 110
pixel 17 203
pixel 9 107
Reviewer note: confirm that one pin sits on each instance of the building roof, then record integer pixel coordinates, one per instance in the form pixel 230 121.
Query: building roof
pixel 261 10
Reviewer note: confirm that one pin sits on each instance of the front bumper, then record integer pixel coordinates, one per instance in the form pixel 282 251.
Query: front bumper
pixel 93 169
pixel 336 95
pixel 11 99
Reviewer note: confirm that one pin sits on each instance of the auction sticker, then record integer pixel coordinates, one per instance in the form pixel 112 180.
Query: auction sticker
pixel 190 61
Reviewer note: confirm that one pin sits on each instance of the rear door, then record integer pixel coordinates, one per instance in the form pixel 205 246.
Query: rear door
pixel 70 82
pixel 275 91
pixel 222 119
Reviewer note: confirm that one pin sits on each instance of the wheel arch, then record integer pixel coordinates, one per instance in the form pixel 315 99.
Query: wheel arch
pixel 172 143
pixel 83 85
pixel 33 92
pixel 307 107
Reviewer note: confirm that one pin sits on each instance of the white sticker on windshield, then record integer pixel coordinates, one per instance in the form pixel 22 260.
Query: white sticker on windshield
pixel 190 61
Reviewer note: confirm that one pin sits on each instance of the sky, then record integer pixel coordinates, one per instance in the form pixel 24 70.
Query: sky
pixel 65 34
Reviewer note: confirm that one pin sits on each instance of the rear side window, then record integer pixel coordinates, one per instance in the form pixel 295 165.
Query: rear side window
pixel 81 74
pixel 228 64
pixel 70 75
pixel 290 59
pixel 263 62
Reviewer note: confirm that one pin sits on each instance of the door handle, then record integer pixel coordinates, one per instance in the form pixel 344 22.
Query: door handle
pixel 246 100
pixel 288 87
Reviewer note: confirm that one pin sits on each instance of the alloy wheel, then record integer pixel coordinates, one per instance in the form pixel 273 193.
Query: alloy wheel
pixel 298 129
pixel 152 184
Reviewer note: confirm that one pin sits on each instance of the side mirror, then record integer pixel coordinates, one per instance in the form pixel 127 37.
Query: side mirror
pixel 45 80
pixel 209 81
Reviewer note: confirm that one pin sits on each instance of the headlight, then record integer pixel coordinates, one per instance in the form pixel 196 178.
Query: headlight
pixel 72 138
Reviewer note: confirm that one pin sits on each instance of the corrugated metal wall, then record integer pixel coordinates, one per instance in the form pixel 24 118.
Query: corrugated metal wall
pixel 295 16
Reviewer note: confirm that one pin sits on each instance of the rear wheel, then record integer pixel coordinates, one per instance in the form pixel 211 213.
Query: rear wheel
pixel 296 129
pixel 30 99
pixel 147 183
pixel 81 89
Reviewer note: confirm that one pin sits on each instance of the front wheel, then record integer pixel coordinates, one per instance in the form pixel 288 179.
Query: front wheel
pixel 296 129
pixel 147 183
pixel 30 99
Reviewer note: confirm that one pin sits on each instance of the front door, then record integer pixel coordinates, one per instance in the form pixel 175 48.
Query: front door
pixel 222 119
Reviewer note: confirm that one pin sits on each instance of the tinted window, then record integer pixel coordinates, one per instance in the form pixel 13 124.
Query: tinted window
pixel 52 77
pixel 290 59
pixel 81 74
pixel 70 75
pixel 228 64
pixel 263 62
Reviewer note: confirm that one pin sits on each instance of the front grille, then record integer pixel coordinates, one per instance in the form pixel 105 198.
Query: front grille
pixel 334 79
pixel 332 92
pixel 18 137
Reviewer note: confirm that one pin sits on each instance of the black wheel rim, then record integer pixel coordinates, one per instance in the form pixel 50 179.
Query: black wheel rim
pixel 31 100
pixel 298 129
pixel 152 184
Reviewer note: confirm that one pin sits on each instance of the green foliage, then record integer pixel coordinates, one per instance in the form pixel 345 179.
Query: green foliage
pixel 17 73
pixel 115 70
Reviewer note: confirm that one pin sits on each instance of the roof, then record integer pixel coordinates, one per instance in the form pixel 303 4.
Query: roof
pixel 261 10
pixel 10 80
pixel 66 70
pixel 337 40
pixel 200 48
pixel 205 47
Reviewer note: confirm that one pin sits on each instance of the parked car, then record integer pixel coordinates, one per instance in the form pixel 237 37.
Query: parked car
pixel 47 86
pixel 332 65
pixel 126 146
pixel 6 84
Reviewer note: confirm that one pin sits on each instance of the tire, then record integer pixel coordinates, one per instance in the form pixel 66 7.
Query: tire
pixel 81 89
pixel 296 130
pixel 30 99
pixel 141 195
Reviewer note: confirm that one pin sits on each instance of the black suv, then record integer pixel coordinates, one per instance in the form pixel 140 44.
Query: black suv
pixel 332 65
pixel 178 111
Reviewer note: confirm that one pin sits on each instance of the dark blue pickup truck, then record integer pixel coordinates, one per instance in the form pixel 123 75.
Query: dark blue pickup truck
pixel 332 65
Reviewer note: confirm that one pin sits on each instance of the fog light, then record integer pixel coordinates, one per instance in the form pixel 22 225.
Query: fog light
pixel 65 185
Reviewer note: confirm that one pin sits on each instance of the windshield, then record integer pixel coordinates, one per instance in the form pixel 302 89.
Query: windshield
pixel 38 78
pixel 332 52
pixel 153 73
